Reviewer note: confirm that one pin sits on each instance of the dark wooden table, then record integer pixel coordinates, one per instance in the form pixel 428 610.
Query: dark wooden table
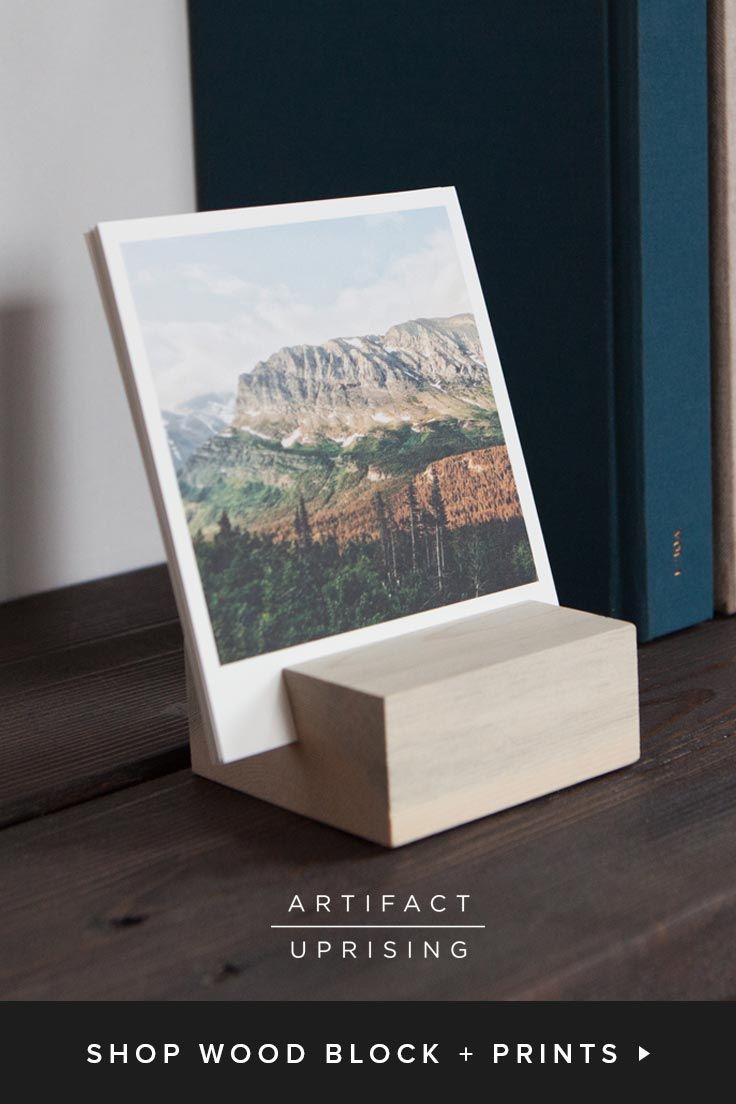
pixel 124 877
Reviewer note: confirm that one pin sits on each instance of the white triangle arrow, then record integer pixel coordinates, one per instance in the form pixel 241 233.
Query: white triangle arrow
pixel 643 1053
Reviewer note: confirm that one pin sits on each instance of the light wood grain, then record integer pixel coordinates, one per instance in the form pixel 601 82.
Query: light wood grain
pixel 418 734
pixel 722 78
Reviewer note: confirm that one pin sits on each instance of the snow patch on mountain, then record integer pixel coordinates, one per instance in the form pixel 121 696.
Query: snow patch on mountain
pixel 291 438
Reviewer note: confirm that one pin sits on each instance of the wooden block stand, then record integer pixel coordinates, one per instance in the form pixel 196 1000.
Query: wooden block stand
pixel 426 731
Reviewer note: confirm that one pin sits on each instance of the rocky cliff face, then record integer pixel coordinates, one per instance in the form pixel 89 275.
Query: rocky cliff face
pixel 417 371
pixel 331 425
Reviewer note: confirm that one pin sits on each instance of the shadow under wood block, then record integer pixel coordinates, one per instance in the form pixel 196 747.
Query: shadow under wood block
pixel 426 731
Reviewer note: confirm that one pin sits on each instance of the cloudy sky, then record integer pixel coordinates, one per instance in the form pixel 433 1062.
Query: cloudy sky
pixel 213 305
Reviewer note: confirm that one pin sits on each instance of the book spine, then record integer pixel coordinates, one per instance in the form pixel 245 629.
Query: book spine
pixel 661 311
pixel 722 56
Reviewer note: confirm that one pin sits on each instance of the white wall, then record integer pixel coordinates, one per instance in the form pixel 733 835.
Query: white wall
pixel 95 123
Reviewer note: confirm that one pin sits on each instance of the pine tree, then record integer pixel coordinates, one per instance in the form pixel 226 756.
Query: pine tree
pixel 226 528
pixel 427 528
pixel 415 524
pixel 303 526
pixel 385 529
pixel 474 562
pixel 440 529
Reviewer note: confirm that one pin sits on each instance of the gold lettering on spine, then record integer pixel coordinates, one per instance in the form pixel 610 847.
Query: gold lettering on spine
pixel 677 551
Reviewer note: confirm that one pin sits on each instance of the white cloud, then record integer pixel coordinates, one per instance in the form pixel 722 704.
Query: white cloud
pixel 427 283
pixel 192 357
pixel 216 283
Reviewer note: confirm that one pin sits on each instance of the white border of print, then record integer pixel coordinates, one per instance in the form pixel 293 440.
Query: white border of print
pixel 246 704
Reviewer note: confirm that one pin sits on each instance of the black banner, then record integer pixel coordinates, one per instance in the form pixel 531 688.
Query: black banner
pixel 354 1044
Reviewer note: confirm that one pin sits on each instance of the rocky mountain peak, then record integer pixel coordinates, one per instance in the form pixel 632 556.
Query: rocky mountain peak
pixel 419 370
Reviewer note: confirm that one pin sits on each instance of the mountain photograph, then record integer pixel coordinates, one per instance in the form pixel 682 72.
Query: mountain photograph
pixel 344 482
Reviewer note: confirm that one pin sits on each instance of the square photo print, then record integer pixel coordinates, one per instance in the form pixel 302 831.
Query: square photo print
pixel 334 417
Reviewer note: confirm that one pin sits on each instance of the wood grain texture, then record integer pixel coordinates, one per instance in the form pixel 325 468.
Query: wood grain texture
pixel 91 695
pixel 621 888
pixel 65 618
pixel 722 133
pixel 339 782
pixel 424 732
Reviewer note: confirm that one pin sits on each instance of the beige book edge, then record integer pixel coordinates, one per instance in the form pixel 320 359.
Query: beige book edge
pixel 722 47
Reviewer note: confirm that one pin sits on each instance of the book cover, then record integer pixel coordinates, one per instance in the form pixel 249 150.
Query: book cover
pixel 576 135
pixel 507 101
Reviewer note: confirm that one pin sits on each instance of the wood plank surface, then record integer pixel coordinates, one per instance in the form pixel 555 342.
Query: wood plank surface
pixel 91 692
pixel 621 888
pixel 76 615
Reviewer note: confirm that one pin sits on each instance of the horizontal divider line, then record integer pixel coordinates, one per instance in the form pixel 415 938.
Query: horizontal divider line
pixel 323 927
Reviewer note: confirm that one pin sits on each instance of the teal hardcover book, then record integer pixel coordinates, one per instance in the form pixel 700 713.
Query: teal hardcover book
pixel 575 132
pixel 661 311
